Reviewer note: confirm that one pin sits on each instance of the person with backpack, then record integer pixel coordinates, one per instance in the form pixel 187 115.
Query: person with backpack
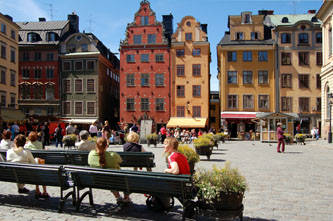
pixel 58 135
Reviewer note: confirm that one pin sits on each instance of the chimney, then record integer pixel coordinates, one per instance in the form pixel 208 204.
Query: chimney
pixel 73 22
pixel 312 11
pixel 9 17
pixel 265 12
pixel 42 19
pixel 204 28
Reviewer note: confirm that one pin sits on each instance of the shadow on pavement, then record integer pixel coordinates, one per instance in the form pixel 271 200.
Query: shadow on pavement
pixel 212 160
pixel 245 218
pixel 290 152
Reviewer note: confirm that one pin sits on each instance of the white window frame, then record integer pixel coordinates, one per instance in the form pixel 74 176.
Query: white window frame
pixel 75 102
pixel 75 65
pixel 70 86
pixel 70 107
pixel 70 65
pixel 94 85
pixel 80 92
pixel 95 108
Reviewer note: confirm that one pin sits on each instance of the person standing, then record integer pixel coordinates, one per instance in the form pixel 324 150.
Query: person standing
pixel 58 135
pixel 46 133
pixel 163 132
pixel 106 131
pixel 93 130
pixel 280 136
pixel 70 129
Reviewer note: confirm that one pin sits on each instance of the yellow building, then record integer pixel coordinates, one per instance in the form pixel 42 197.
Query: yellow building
pixel 190 75
pixel 8 68
pixel 325 15
pixel 214 110
pixel 246 59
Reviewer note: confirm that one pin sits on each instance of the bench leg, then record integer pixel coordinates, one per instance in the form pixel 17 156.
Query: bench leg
pixel 91 201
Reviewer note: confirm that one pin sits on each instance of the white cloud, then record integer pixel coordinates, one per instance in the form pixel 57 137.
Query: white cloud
pixel 23 10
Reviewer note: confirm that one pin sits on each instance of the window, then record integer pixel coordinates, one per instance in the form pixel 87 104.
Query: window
pixel 67 108
pixel 319 38
pixel 212 119
pixel 3 50
pixel 12 78
pixel 91 65
pixel 145 58
pixel 78 107
pixel 262 56
pixel 239 36
pixel 286 103
pixel 262 77
pixel 286 80
pixel 196 90
pixel 330 42
pixel 90 85
pixel 144 20
pixel 303 81
pixel 37 91
pixel 263 102
pixel 25 73
pixel 180 91
pixel 196 111
pixel 180 70
pixel 196 52
pixel 67 65
pixel 247 55
pixel 49 73
pixel 78 85
pixel 49 56
pixel 144 104
pixel 25 56
pixel 180 111
pixel 232 56
pixel 232 101
pixel 303 58
pixel 91 108
pixel 159 80
pixel 49 93
pixel 285 38
pixel 130 104
pixel 180 52
pixel 145 80
pixel 159 104
pixel 196 69
pixel 84 47
pixel 247 77
pixel 2 99
pixel 248 102
pixel 12 100
pixel 51 36
pixel 319 58
pixel 304 104
pixel 285 58
pixel 254 35
pixel 130 58
pixel 24 92
pixel 318 104
pixel 38 56
pixel 318 81
pixel 159 58
pixel 303 38
pixel 12 55
pixel 151 38
pixel 247 19
pixel 4 28
pixel 232 77
pixel 3 75
pixel 78 65
pixel 285 20
pixel 188 36
pixel 130 80
pixel 137 39
pixel 38 73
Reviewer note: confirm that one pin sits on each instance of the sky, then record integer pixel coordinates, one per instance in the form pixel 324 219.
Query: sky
pixel 107 19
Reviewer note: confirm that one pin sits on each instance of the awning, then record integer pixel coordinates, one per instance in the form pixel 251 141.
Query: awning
pixel 187 122
pixel 12 115
pixel 237 115
pixel 80 120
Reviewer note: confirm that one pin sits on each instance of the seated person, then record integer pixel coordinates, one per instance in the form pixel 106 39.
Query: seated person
pixel 177 162
pixel 33 143
pixel 100 158
pixel 6 143
pixel 85 144
pixel 132 144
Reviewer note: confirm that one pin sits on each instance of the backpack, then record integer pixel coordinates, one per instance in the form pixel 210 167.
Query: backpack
pixel 160 204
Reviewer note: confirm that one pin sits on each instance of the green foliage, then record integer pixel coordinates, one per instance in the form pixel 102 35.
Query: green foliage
pixel 212 183
pixel 203 141
pixel 152 137
pixel 92 139
pixel 288 138
pixel 300 136
pixel 69 138
pixel 189 153
pixel 220 136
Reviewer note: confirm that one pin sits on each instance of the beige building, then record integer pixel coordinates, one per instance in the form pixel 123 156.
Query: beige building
pixel 190 75
pixel 8 68
pixel 325 15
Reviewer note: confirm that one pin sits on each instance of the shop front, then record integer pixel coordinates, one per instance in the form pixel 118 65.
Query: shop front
pixel 239 124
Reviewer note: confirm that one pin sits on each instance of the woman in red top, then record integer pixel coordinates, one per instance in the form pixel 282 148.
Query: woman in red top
pixel 177 162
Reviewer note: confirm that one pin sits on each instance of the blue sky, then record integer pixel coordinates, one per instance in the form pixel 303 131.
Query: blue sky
pixel 107 19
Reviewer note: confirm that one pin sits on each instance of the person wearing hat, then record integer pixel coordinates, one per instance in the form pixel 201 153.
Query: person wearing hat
pixel 280 136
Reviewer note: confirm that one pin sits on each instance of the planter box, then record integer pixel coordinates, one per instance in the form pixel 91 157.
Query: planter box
pixel 232 201
pixel 204 150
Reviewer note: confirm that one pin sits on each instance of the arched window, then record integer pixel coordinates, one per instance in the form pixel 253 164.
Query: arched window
pixel 285 20
pixel 49 92
pixel 33 37
pixel 314 19
pixel 24 91
pixel 52 36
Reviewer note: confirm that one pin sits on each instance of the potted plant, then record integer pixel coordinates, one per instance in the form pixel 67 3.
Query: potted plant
pixel 152 139
pixel 220 137
pixel 204 146
pixel 220 188
pixel 69 140
pixel 300 138
pixel 191 156
pixel 288 138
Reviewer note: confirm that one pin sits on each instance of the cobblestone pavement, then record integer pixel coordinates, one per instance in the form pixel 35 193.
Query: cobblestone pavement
pixel 295 185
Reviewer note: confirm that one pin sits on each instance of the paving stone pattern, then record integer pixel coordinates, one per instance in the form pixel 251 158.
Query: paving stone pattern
pixel 295 185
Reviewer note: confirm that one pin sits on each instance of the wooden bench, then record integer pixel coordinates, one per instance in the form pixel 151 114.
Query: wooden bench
pixel 80 158
pixel 153 183
pixel 48 175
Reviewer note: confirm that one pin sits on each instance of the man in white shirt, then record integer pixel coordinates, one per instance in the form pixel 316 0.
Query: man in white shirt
pixel 85 144
pixel 93 130
pixel 70 129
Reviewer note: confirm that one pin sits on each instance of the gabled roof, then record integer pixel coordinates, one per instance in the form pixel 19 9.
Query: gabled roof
pixel 42 26
pixel 276 20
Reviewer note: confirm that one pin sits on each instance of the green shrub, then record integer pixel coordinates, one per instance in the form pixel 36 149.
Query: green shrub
pixel 189 153
pixel 203 141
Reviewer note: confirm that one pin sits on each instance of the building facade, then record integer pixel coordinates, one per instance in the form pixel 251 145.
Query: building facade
pixel 325 15
pixel 39 91
pixel 190 74
pixel 89 81
pixel 8 66
pixel 214 110
pixel 145 69
pixel 299 60
pixel 246 58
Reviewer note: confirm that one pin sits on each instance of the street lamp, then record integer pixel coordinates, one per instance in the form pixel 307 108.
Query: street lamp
pixel 329 137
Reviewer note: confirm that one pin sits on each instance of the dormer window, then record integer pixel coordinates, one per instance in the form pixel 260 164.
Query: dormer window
pixel 33 37
pixel 285 20
pixel 51 36
pixel 246 18
pixel 239 36
pixel 144 20
pixel 254 35
pixel 314 19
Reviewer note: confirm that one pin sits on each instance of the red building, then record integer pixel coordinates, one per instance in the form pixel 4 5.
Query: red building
pixel 145 69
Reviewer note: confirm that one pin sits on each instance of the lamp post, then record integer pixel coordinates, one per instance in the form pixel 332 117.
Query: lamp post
pixel 329 137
